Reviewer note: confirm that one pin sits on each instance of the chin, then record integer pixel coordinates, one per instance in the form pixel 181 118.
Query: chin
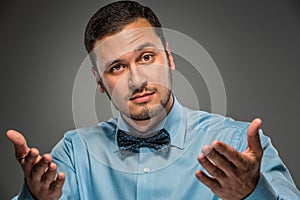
pixel 146 112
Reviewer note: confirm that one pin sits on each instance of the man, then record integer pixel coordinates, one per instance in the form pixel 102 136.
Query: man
pixel 150 151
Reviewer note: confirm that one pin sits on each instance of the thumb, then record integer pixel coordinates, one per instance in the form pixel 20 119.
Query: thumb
pixel 253 136
pixel 21 148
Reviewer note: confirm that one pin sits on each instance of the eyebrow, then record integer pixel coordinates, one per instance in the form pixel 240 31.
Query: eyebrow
pixel 143 46
pixel 139 48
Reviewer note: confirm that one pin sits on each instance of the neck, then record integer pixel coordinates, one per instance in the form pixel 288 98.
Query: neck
pixel 144 127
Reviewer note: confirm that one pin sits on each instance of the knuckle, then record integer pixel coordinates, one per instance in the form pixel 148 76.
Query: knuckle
pixel 45 177
pixel 215 187
pixel 35 169
pixel 49 177
pixel 235 172
pixel 215 171
pixel 235 153
pixel 56 188
pixel 212 154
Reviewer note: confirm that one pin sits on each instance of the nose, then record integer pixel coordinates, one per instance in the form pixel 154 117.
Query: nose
pixel 136 78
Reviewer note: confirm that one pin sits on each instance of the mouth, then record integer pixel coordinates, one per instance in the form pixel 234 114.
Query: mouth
pixel 142 97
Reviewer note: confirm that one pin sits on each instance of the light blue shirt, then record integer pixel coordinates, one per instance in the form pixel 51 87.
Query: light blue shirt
pixel 96 169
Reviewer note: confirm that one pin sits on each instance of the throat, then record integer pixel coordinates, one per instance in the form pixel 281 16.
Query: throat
pixel 144 128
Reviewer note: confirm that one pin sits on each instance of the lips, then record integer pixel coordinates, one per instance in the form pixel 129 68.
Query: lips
pixel 142 97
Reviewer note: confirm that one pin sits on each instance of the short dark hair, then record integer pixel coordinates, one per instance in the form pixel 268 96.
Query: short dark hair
pixel 113 17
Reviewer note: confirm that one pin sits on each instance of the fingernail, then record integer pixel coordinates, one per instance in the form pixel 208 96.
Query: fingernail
pixel 206 149
pixel 201 158
pixel 200 175
pixel 217 147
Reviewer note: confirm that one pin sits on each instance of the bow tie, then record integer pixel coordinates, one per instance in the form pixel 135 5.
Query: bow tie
pixel 160 141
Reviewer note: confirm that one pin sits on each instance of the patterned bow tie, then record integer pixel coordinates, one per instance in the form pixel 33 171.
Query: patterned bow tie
pixel 160 141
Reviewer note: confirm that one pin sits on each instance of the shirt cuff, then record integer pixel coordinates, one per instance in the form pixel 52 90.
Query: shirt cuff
pixel 24 194
pixel 263 190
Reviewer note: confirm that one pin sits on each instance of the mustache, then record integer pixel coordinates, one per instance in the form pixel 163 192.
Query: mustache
pixel 140 90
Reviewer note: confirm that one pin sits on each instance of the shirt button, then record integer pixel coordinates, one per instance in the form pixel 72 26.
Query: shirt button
pixel 146 170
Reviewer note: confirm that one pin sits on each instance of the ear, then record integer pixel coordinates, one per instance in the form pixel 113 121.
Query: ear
pixel 98 79
pixel 172 65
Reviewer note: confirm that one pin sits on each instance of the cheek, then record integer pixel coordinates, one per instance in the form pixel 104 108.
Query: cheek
pixel 117 87
pixel 160 75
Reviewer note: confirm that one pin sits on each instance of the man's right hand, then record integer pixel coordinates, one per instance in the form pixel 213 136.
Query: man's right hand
pixel 39 171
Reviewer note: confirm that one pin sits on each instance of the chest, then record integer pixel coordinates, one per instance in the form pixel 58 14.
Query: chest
pixel 142 176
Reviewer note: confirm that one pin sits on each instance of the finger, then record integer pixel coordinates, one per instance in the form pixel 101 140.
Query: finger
pixel 212 169
pixel 212 183
pixel 230 153
pixel 49 176
pixel 220 161
pixel 253 136
pixel 31 158
pixel 40 167
pixel 21 148
pixel 56 186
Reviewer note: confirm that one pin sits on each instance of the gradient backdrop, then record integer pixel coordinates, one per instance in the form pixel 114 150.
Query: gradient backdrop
pixel 255 45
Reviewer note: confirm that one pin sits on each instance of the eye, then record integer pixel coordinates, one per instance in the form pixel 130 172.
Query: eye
pixel 117 68
pixel 147 57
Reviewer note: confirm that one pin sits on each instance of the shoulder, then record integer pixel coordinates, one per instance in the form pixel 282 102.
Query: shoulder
pixel 82 137
pixel 218 127
pixel 205 121
pixel 106 128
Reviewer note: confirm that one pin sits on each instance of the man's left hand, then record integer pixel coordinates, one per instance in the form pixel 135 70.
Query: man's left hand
pixel 233 175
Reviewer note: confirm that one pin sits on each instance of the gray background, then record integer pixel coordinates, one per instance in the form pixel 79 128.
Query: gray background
pixel 255 45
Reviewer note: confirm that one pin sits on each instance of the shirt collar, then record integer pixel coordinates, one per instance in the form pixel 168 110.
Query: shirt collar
pixel 175 123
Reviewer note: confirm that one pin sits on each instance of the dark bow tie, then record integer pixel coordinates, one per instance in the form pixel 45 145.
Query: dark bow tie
pixel 160 141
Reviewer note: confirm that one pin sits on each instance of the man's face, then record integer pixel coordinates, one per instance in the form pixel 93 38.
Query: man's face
pixel 135 71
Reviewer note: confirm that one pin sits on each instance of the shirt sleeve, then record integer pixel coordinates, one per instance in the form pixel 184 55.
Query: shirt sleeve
pixel 24 193
pixel 63 157
pixel 275 180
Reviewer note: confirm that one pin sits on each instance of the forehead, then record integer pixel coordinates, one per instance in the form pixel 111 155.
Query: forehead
pixel 131 38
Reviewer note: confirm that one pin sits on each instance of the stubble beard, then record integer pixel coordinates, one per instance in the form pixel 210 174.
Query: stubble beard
pixel 147 112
